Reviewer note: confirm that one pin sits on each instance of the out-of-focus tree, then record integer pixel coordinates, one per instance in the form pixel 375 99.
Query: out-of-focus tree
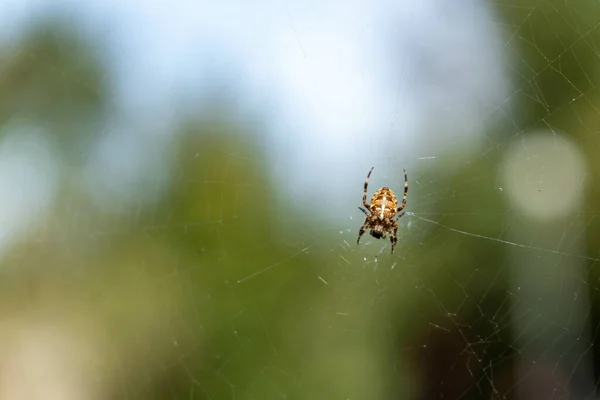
pixel 91 278
pixel 53 77
pixel 261 311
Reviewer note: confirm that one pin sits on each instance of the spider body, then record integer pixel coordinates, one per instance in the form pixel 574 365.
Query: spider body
pixel 381 212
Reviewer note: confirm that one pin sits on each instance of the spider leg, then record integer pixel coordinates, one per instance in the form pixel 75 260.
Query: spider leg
pixel 360 233
pixel 365 189
pixel 363 210
pixel 394 237
pixel 405 192
pixel 399 216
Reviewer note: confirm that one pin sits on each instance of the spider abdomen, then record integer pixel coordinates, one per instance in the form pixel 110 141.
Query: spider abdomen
pixel 384 203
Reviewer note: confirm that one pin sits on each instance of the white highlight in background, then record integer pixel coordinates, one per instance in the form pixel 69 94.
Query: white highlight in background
pixel 544 175
pixel 28 180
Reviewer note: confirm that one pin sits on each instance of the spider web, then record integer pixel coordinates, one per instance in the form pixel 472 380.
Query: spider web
pixel 185 216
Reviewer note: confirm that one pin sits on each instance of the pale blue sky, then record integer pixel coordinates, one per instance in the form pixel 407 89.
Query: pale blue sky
pixel 341 85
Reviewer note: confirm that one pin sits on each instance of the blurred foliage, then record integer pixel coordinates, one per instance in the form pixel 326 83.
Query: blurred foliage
pixel 258 304
pixel 55 78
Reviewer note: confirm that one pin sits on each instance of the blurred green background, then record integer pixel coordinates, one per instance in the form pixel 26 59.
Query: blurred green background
pixel 219 288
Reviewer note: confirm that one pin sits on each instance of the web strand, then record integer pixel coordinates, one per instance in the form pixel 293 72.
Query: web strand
pixel 508 242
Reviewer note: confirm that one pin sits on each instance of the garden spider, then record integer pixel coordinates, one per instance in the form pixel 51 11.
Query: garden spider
pixel 381 212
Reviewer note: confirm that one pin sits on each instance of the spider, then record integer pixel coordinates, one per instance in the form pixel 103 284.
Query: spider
pixel 381 212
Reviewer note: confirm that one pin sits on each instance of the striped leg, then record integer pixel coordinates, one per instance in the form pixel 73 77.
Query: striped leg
pixel 365 189
pixel 360 233
pixel 394 237
pixel 405 192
